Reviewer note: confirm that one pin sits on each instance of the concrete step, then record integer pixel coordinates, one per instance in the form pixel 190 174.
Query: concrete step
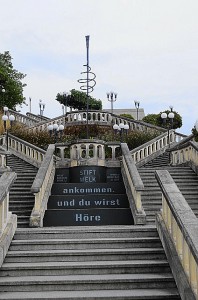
pixel 84 232
pixel 86 282
pixel 85 267
pixel 100 243
pixel 24 183
pixel 19 212
pixel 85 255
pixel 128 294
pixel 101 262
pixel 186 180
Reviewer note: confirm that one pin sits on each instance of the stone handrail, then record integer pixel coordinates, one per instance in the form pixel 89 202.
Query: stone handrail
pixel 85 152
pixel 95 117
pixel 134 185
pixel 107 118
pixel 186 153
pixel 41 187
pixel 182 227
pixel 43 125
pixel 153 148
pixel 25 120
pixel 24 150
pixel 8 221
pixel 37 118
pixel 2 159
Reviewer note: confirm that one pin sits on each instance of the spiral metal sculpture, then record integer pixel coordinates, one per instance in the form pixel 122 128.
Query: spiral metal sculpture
pixel 87 83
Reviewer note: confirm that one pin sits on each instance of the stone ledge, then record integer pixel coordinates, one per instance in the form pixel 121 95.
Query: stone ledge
pixel 7 236
pixel 179 274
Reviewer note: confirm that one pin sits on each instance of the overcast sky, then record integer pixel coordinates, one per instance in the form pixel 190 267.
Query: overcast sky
pixel 145 50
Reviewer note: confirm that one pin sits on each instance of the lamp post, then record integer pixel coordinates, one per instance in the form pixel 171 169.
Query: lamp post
pixel 137 105
pixel 54 130
pixel 5 118
pixel 168 118
pixel 3 92
pixel 122 129
pixel 66 95
pixel 42 107
pixel 112 97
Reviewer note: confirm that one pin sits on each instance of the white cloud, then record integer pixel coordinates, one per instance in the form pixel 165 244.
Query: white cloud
pixel 142 49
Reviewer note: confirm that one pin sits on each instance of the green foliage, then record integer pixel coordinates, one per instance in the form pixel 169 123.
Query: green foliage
pixel 78 100
pixel 137 138
pixel 40 139
pixel 177 121
pixel 132 138
pixel 151 119
pixel 127 116
pixel 11 82
pixel 155 119
pixel 80 132
pixel 195 133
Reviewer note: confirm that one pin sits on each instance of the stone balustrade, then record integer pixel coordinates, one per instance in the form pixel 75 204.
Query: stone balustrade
pixel 43 125
pixel 8 221
pixel 85 152
pixel 187 153
pixel 107 118
pixel 2 160
pixel 25 120
pixel 153 148
pixel 41 187
pixel 181 227
pixel 38 118
pixel 134 185
pixel 94 117
pixel 24 150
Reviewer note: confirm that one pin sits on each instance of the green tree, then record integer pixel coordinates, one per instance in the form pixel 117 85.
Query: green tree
pixel 195 133
pixel 155 119
pixel 127 116
pixel 151 119
pixel 78 100
pixel 11 86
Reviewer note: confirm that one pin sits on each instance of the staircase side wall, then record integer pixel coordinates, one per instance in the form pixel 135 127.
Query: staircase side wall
pixel 179 274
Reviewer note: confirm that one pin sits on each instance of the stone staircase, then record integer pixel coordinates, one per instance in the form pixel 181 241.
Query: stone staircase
pixel 90 262
pixel 21 199
pixel 184 176
pixel 106 262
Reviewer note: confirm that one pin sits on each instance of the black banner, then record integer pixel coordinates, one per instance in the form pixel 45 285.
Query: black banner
pixel 88 174
pixel 113 175
pixel 90 201
pixel 62 175
pixel 87 189
pixel 89 217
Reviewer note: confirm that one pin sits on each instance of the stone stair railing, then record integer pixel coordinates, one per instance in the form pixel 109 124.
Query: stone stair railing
pixel 133 184
pixel 23 119
pixel 2 160
pixel 186 153
pixel 94 117
pixel 107 118
pixel 38 118
pixel 23 149
pixel 41 187
pixel 178 227
pixel 148 151
pixel 86 152
pixel 8 221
